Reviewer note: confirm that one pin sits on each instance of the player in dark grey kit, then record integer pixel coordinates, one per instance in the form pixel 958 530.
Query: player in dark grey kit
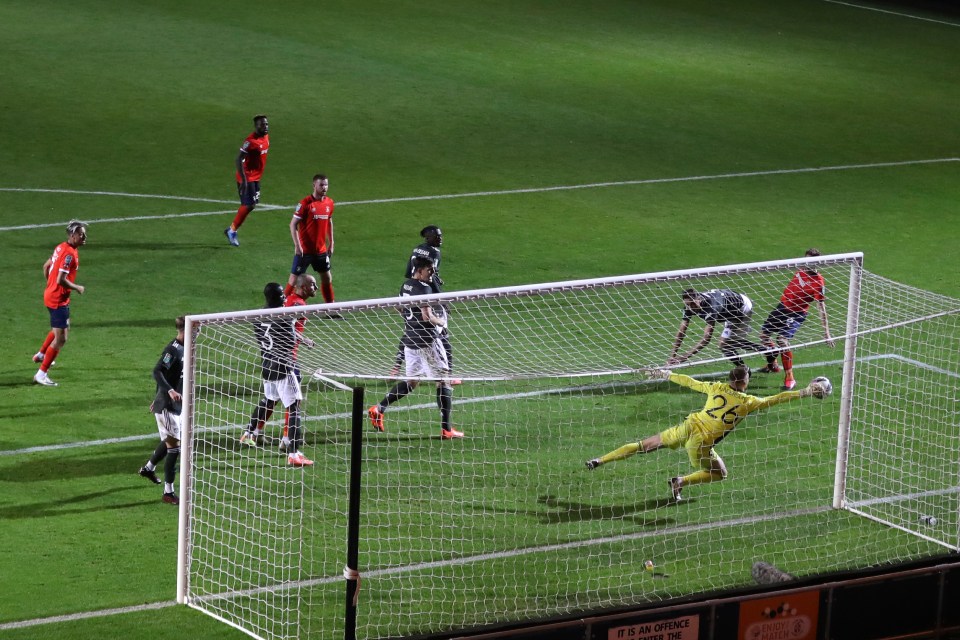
pixel 168 374
pixel 278 338
pixel 429 249
pixel 424 354
pixel 724 305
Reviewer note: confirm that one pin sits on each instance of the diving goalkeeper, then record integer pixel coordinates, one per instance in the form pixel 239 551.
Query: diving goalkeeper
pixel 727 404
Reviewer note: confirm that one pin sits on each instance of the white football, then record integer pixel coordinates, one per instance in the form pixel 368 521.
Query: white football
pixel 825 387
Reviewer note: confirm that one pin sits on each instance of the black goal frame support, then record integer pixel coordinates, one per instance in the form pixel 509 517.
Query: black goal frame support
pixel 351 572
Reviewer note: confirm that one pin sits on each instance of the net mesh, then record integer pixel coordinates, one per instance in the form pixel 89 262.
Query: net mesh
pixel 507 524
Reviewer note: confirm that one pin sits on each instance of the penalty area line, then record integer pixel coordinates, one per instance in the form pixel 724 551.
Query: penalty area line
pixel 420 406
pixel 84 615
pixel 191 214
pixel 485 194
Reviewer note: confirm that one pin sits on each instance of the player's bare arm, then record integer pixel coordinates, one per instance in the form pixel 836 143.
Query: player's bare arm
pixel 241 158
pixel 294 226
pixel 822 308
pixel 46 268
pixel 63 282
pixel 704 341
pixel 678 341
pixel 428 315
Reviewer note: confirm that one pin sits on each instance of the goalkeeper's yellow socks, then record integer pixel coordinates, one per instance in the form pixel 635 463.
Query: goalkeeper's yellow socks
pixel 701 477
pixel 625 451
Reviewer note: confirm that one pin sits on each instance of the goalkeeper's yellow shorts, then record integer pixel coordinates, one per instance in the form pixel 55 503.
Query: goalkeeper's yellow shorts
pixel 699 445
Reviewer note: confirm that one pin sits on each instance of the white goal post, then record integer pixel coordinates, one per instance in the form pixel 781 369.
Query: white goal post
pixel 507 524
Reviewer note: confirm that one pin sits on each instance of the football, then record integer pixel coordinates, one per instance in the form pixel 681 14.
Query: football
pixel 825 387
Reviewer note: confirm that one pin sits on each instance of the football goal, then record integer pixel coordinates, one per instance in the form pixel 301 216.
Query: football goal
pixel 407 532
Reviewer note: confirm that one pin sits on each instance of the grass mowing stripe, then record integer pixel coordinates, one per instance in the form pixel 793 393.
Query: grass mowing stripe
pixel 480 194
pixel 893 13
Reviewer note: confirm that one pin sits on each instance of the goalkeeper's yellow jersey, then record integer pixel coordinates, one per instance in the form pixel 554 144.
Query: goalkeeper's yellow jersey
pixel 725 406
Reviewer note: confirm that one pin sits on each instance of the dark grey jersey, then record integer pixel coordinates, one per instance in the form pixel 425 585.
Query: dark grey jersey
pixel 417 332
pixel 432 254
pixel 168 374
pixel 277 338
pixel 719 305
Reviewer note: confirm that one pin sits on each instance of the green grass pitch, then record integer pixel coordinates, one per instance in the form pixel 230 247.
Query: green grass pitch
pixel 710 133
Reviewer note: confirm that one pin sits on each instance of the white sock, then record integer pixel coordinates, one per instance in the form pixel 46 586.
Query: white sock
pixel 168 487
pixel 149 466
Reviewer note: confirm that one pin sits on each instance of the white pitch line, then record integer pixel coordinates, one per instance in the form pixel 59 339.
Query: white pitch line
pixel 21 624
pixel 427 566
pixel 623 183
pixel 427 405
pixel 121 194
pixel 265 207
pixel 503 192
pixel 893 13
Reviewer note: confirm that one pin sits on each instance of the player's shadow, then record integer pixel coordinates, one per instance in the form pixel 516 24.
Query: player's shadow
pixel 91 462
pixel 75 504
pixel 563 512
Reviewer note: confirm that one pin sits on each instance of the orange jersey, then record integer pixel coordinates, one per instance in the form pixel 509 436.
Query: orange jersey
pixel 255 151
pixel 315 218
pixel 65 259
pixel 802 290
pixel 293 300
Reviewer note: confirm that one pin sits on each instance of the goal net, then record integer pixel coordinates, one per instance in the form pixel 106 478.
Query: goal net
pixel 507 524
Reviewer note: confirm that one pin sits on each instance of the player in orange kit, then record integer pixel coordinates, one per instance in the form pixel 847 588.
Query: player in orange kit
pixel 806 286
pixel 250 164
pixel 60 271
pixel 311 228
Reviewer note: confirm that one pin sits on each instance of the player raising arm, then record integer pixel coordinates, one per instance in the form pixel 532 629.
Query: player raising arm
pixel 727 404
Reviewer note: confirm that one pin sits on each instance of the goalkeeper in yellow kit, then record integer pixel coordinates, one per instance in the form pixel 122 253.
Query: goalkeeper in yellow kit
pixel 727 404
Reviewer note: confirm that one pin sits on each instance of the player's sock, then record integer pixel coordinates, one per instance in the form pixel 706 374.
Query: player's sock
pixel 48 358
pixel 242 214
pixel 445 402
pixel 326 289
pixel 287 290
pixel 787 358
pixel 168 488
pixel 400 390
pixel 170 465
pixel 158 454
pixel 731 354
pixel 701 477
pixel 772 356
pixel 296 433
pixel 286 424
pixel 47 342
pixel 625 451
pixel 260 416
